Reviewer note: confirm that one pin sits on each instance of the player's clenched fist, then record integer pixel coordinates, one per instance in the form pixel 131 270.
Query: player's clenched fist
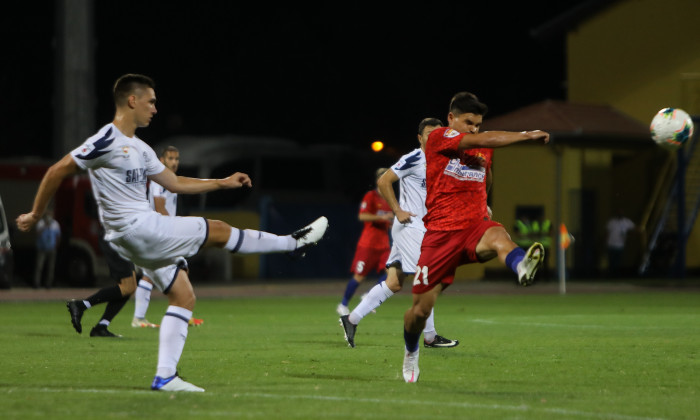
pixel 237 180
pixel 538 135
pixel 25 222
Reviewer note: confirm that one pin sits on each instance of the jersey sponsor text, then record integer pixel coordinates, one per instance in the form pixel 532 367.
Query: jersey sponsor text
pixel 463 172
pixel 135 175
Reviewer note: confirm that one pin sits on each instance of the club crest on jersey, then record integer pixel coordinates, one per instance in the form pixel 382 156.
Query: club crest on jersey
pixel 450 133
pixel 462 172
pixel 86 149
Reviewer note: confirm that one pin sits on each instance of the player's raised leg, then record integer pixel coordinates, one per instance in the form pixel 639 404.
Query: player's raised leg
pixel 496 242
pixel 248 241
pixel 531 262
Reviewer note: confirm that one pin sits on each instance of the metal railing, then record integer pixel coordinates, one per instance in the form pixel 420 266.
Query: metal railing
pixel 680 173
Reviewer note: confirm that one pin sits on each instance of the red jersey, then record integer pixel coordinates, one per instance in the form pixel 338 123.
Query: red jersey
pixel 456 182
pixel 374 235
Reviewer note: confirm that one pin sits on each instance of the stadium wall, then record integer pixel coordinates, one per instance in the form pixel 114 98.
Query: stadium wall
pixel 639 56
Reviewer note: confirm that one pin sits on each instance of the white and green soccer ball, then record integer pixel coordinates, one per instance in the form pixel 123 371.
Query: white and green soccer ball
pixel 671 127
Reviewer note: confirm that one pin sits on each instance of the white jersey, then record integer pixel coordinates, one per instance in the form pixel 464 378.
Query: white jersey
pixel 157 190
pixel 617 231
pixel 118 166
pixel 411 172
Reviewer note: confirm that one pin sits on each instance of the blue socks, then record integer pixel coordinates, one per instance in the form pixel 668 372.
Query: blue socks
pixel 514 257
pixel 350 291
pixel 411 340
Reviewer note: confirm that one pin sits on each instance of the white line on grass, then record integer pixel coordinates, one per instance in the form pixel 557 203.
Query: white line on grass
pixel 559 325
pixel 90 390
pixel 494 407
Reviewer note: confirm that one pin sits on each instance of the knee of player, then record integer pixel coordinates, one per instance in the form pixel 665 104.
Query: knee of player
pixel 394 283
pixel 495 241
pixel 186 300
pixel 219 233
pixel 128 285
pixel 358 277
pixel 422 311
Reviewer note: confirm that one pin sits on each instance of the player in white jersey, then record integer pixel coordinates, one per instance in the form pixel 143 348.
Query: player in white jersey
pixel 165 203
pixel 119 164
pixel 407 233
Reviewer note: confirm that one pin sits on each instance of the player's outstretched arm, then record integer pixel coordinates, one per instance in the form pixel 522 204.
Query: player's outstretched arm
pixel 47 188
pixel 494 139
pixel 186 185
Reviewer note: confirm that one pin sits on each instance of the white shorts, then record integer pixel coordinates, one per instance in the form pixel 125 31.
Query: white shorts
pixel 159 245
pixel 405 248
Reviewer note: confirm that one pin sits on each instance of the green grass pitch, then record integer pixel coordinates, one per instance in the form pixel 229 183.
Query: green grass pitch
pixel 591 356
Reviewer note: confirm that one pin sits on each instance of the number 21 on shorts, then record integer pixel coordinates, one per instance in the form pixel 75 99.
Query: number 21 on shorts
pixel 421 272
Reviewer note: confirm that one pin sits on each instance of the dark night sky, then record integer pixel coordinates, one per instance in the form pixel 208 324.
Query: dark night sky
pixel 331 73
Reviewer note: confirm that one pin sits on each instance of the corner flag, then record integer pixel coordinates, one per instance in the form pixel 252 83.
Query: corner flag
pixel 565 237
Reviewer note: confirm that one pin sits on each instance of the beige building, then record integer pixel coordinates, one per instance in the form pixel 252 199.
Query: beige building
pixel 625 60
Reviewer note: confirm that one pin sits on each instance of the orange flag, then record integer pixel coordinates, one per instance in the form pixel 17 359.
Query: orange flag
pixel 564 236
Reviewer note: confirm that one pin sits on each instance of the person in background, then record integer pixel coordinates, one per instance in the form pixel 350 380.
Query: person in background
pixel 165 203
pixel 48 237
pixel 407 233
pixel 372 248
pixel 617 227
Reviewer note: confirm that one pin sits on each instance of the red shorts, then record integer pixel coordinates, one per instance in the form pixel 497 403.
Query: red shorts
pixel 443 251
pixel 368 259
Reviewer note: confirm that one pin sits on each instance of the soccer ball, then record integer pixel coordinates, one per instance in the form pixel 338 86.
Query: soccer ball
pixel 671 127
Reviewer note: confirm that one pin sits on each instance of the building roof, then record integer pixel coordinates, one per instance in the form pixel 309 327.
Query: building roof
pixel 572 122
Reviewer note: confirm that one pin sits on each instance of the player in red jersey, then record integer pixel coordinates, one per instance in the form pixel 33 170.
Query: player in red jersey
pixel 373 246
pixel 459 228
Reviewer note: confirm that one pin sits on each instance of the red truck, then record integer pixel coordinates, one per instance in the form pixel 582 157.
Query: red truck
pixel 79 256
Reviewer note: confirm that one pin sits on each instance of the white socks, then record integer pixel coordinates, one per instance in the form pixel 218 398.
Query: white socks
pixel 173 334
pixel 258 242
pixel 375 297
pixel 429 330
pixel 142 297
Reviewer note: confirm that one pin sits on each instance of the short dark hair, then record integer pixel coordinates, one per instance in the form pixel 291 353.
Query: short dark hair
pixel 126 84
pixel 466 102
pixel 433 122
pixel 168 149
